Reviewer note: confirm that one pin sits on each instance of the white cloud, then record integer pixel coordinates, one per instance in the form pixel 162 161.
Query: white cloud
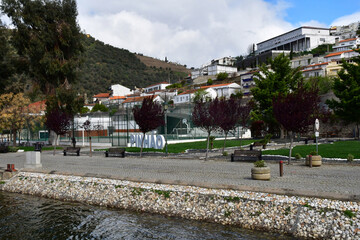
pixel 345 20
pixel 189 32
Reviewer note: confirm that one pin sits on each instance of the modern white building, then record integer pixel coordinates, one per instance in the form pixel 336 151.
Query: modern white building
pixel 120 90
pixel 155 87
pixel 224 90
pixel 299 39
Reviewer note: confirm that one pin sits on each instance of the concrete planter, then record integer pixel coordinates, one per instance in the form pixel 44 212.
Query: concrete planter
pixel 316 160
pixel 260 173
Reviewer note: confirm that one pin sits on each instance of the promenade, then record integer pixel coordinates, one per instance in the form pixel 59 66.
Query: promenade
pixel 333 181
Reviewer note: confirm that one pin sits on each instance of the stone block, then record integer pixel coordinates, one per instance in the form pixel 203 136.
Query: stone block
pixel 33 160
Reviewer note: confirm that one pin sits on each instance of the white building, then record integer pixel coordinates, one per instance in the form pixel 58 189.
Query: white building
pixel 315 70
pixel 188 96
pixel 337 56
pixel 247 82
pixel 120 90
pixel 224 90
pixel 303 61
pixel 225 64
pixel 130 102
pixel 155 87
pixel 298 40
pixel 346 44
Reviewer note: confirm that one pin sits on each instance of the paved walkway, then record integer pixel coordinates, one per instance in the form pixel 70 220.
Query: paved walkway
pixel 335 181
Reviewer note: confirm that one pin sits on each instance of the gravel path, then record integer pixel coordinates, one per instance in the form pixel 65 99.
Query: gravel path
pixel 335 181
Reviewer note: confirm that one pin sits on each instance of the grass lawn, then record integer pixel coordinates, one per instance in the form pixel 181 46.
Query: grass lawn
pixel 181 147
pixel 336 150
pixel 27 149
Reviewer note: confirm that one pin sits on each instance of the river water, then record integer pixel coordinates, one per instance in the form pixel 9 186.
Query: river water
pixel 30 217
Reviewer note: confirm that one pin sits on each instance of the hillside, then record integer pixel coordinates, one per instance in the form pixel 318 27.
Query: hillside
pixel 105 65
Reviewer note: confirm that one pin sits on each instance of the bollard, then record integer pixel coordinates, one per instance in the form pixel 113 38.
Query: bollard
pixel 281 165
pixel 310 161
pixel 251 147
pixel 10 168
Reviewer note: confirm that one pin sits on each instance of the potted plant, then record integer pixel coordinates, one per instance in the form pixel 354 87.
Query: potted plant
pixel 260 171
pixel 316 159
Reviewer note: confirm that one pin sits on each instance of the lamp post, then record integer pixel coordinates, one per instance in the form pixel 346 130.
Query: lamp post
pixel 166 144
pixel 317 125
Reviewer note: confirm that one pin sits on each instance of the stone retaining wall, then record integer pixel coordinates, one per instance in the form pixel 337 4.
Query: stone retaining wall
pixel 297 216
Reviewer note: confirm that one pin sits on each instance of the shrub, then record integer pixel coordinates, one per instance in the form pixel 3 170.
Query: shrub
pixel 209 81
pixel 313 153
pixel 225 153
pixel 13 149
pixel 298 156
pixel 350 157
pixel 260 163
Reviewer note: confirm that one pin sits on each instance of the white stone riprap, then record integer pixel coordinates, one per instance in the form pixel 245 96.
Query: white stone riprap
pixel 298 216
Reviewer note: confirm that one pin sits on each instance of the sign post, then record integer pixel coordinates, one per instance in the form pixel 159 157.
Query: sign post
pixel 317 125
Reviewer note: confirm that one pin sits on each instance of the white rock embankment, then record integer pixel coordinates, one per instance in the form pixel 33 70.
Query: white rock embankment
pixel 306 217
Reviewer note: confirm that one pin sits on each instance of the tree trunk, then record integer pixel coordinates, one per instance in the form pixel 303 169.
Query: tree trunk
pixel 282 132
pixel 207 146
pixel 358 132
pixel 241 138
pixel 142 145
pixel 90 147
pixel 14 137
pixel 55 144
pixel 290 148
pixel 224 142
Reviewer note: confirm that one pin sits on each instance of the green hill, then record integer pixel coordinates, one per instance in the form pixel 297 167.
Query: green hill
pixel 105 65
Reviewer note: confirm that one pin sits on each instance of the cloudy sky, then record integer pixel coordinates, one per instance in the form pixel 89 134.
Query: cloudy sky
pixel 193 32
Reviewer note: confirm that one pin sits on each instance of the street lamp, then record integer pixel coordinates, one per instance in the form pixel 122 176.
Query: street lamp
pixel 317 125
pixel 166 144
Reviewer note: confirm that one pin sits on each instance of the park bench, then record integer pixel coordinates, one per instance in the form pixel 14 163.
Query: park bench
pixel 246 155
pixel 116 152
pixel 72 150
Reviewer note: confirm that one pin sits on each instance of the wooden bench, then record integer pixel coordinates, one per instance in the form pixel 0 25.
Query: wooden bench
pixel 246 155
pixel 116 152
pixel 72 150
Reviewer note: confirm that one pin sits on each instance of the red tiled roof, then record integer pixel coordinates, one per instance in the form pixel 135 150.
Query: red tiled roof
pixel 117 97
pixel 347 40
pixel 309 70
pixel 137 99
pixel 318 64
pixel 38 106
pixel 217 85
pixel 337 53
pixel 157 84
pixel 188 91
pixel 102 95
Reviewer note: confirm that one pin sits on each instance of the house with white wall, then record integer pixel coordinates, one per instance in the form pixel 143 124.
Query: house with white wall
pixel 130 102
pixel 224 90
pixel 347 44
pixel 337 56
pixel 155 87
pixel 188 96
pixel 315 70
pixel 120 90
pixel 216 66
pixel 247 82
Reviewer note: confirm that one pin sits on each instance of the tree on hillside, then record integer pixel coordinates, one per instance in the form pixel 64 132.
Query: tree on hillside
pixel 271 80
pixel 296 111
pixel 148 116
pixel 205 116
pixel 15 113
pixel 347 90
pixel 58 121
pixel 65 100
pixel 48 35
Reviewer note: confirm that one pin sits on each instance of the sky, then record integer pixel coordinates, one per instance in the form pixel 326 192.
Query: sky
pixel 193 32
